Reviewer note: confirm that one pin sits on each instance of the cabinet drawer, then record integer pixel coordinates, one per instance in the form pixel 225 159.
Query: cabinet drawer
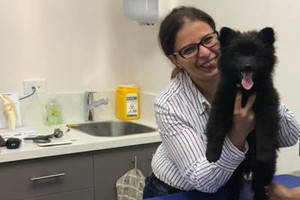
pixel 86 194
pixel 111 164
pixel 39 177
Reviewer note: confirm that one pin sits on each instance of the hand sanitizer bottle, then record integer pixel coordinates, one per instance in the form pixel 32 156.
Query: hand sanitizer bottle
pixel 53 113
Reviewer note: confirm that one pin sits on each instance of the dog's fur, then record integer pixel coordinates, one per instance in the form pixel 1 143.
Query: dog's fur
pixel 245 52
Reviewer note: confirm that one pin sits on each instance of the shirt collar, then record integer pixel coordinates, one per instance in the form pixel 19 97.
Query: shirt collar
pixel 196 96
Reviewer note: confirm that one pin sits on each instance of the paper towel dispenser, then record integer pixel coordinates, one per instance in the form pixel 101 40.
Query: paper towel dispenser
pixel 143 11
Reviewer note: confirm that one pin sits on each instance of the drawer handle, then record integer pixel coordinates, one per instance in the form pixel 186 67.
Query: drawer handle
pixel 47 177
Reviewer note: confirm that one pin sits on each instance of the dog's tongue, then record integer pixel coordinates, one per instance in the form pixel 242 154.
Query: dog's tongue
pixel 247 81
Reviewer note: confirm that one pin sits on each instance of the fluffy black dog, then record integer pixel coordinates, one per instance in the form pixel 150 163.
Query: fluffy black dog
pixel 246 65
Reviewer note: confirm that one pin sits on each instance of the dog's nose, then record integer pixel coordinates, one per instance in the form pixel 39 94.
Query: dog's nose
pixel 248 67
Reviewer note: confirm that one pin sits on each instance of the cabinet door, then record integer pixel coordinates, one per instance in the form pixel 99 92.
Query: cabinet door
pixel 46 176
pixel 87 194
pixel 111 164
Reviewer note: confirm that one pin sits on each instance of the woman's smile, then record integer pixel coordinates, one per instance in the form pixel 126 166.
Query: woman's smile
pixel 208 66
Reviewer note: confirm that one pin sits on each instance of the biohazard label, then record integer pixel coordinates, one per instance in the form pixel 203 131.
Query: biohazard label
pixel 131 105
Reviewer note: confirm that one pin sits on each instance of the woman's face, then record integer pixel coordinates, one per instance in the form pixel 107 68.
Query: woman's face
pixel 203 66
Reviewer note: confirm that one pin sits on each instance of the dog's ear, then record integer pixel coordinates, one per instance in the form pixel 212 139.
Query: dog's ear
pixel 226 35
pixel 267 35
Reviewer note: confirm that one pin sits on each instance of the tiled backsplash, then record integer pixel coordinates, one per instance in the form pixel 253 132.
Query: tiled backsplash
pixel 33 108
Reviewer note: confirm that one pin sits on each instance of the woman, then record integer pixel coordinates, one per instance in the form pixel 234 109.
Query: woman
pixel 189 39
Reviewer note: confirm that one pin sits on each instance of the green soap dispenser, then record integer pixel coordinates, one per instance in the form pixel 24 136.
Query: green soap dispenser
pixel 53 113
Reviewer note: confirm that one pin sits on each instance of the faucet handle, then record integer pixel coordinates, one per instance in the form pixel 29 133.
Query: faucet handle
pixel 89 93
pixel 88 96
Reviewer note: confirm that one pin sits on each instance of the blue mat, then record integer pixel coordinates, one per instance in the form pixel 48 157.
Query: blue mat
pixel 289 181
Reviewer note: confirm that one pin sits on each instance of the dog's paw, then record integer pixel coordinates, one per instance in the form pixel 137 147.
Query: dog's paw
pixel 212 156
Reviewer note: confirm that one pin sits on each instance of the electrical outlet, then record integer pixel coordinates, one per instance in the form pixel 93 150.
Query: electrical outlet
pixel 39 84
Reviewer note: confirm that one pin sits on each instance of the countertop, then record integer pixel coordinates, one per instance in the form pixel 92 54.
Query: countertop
pixel 81 142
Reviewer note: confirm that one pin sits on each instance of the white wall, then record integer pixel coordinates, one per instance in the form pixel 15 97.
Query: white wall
pixel 76 45
pixel 88 44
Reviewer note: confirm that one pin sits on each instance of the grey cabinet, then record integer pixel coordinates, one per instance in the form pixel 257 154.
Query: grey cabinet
pixel 80 176
pixel 64 176
pixel 111 164
pixel 75 195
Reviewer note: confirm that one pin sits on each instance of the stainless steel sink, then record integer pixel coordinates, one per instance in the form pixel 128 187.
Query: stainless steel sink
pixel 112 128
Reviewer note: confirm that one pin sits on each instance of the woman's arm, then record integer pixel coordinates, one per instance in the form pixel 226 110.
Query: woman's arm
pixel 289 130
pixel 186 146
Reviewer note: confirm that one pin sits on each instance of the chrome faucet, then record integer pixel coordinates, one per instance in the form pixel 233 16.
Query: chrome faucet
pixel 89 105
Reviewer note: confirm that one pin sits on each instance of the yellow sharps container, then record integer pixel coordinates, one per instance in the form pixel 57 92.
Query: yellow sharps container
pixel 127 102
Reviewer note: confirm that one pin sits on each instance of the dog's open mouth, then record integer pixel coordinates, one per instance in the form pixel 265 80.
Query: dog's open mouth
pixel 247 81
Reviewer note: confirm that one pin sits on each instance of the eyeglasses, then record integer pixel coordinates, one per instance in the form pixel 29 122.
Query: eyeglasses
pixel 208 41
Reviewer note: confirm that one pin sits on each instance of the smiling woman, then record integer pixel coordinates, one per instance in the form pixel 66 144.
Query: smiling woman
pixel 189 39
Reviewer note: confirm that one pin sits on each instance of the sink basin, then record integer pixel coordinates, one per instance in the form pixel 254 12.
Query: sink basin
pixel 112 128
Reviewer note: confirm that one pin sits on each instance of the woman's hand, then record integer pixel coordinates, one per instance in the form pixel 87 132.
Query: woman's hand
pixel 280 192
pixel 243 121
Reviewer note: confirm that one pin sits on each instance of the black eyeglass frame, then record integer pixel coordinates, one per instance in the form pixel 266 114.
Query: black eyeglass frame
pixel 198 45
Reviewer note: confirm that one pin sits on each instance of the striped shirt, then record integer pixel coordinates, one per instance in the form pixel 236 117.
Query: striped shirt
pixel 181 113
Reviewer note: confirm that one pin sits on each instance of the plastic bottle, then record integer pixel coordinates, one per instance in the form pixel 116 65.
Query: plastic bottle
pixel 127 102
pixel 53 113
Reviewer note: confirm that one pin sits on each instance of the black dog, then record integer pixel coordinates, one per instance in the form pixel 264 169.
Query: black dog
pixel 246 65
